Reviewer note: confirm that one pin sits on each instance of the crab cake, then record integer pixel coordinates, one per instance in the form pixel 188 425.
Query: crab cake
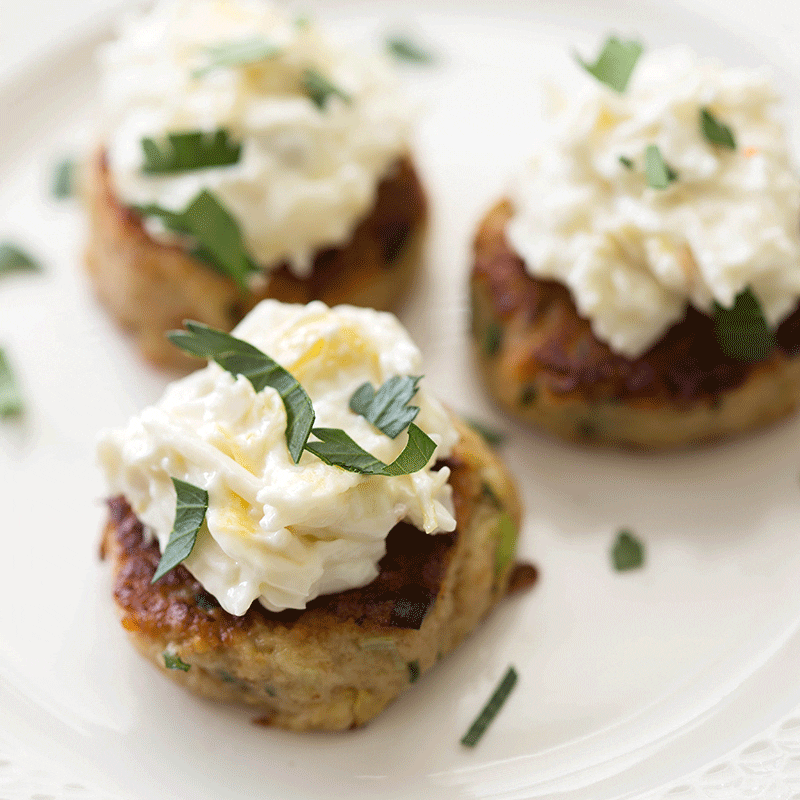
pixel 542 363
pixel 316 589
pixel 640 285
pixel 246 155
pixel 346 656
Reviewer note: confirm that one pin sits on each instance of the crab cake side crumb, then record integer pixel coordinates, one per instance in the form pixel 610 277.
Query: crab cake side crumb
pixel 543 364
pixel 337 663
pixel 150 287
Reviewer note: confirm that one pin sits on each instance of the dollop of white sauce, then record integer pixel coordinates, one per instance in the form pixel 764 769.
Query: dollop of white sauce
pixel 634 256
pixel 276 531
pixel 306 175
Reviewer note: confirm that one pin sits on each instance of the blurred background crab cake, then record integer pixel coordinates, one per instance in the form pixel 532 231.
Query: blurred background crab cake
pixel 318 584
pixel 640 284
pixel 245 154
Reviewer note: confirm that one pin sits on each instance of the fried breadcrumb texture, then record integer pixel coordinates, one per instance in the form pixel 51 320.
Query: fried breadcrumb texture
pixel 150 287
pixel 542 363
pixel 339 662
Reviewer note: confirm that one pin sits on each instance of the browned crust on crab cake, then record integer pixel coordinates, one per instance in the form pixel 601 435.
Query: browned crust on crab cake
pixel 542 363
pixel 150 287
pixel 336 664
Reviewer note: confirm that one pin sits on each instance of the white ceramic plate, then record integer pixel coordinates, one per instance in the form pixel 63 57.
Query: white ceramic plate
pixel 679 679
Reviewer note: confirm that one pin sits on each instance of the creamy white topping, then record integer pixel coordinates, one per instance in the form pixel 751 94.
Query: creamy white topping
pixel 633 256
pixel 276 531
pixel 306 175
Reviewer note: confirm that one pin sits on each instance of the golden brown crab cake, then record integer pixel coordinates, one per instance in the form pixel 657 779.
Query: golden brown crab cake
pixel 339 662
pixel 543 364
pixel 151 287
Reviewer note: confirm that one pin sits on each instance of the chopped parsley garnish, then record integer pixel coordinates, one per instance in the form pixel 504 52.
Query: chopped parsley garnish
pixel 339 450
pixel 190 512
pixel 334 447
pixel 742 331
pixel 659 174
pixel 219 239
pixel 626 162
pixel 715 131
pixel 12 259
pixel 182 152
pixel 404 48
pixel 615 64
pixel 10 396
pixel 175 662
pixel 627 552
pixel 63 182
pixel 491 709
pixel 240 53
pixel 489 434
pixel 241 358
pixel 413 671
pixel 387 409
pixel 319 88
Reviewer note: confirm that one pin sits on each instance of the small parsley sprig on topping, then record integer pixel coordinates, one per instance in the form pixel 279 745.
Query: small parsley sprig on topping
pixel 387 409
pixel 742 330
pixel 240 53
pixel 715 131
pixel 339 450
pixel 12 259
pixel 615 64
pixel 334 447
pixel 404 48
pixel 190 512
pixel 658 173
pixel 241 358
pixel 320 89
pixel 191 150
pixel 491 709
pixel 627 552
pixel 10 395
pixel 219 239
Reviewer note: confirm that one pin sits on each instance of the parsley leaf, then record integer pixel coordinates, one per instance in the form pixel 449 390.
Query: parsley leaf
pixel 413 671
pixel 236 54
pixel 404 49
pixel 12 259
pixel 715 131
pixel 183 152
pixel 217 234
pixel 10 396
pixel 63 182
pixel 490 435
pixel 626 162
pixel 241 358
pixel 742 331
pixel 614 65
pixel 659 174
pixel 387 409
pixel 190 511
pixel 627 552
pixel 319 88
pixel 172 661
pixel 339 450
pixel 490 710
